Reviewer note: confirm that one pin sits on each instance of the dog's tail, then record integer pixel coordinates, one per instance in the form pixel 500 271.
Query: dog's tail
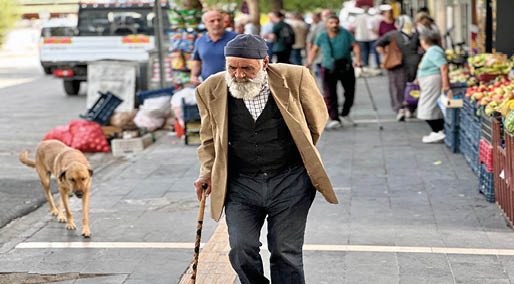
pixel 24 158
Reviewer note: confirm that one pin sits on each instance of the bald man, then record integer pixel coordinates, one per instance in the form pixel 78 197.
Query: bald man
pixel 208 53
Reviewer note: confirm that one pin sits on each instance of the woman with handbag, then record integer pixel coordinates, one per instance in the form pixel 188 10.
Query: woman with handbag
pixel 401 51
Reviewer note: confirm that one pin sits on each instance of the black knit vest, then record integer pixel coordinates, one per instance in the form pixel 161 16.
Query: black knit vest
pixel 264 146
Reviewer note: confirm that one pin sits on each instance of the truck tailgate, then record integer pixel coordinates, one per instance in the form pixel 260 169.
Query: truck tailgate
pixel 85 48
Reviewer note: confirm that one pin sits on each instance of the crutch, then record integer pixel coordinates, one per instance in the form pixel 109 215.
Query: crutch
pixel 363 75
pixel 198 234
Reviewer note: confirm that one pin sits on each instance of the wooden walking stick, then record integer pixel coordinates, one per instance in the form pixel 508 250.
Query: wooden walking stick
pixel 198 234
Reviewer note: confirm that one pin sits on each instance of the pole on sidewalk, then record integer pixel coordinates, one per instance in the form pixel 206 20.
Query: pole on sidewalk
pixel 364 76
pixel 198 234
pixel 158 29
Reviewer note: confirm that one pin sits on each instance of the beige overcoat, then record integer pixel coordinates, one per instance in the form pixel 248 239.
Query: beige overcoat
pixel 304 112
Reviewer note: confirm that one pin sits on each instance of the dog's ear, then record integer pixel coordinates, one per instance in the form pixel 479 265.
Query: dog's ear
pixel 90 172
pixel 61 176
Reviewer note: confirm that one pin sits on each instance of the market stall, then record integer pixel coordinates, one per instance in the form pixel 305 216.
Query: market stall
pixel 482 127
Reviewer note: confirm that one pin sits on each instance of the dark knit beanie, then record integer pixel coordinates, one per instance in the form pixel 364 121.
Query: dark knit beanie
pixel 247 46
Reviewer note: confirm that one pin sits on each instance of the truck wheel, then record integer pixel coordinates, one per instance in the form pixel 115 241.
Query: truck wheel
pixel 71 87
pixel 47 70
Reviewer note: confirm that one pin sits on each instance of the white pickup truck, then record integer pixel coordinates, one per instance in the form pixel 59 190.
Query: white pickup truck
pixel 111 31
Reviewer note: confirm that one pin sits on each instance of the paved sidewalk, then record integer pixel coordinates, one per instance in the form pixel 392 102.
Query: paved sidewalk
pixel 408 213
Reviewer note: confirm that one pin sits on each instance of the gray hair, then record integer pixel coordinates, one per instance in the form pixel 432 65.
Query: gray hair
pixel 430 37
pixel 209 11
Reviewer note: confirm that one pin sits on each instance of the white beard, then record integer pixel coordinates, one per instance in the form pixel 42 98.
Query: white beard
pixel 248 89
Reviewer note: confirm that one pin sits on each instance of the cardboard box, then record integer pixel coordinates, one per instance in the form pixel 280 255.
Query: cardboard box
pixel 451 103
pixel 110 130
pixel 124 147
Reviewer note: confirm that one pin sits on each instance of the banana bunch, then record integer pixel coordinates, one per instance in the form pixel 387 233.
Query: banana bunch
pixel 507 107
pixel 491 107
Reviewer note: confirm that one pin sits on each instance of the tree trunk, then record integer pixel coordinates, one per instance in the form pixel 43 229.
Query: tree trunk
pixel 192 4
pixel 253 8
pixel 276 5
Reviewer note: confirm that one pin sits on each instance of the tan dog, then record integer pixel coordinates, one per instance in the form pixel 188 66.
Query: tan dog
pixel 73 173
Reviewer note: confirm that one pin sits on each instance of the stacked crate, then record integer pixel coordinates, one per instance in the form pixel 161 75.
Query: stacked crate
pixel 486 158
pixel 451 129
pixel 502 169
pixel 469 134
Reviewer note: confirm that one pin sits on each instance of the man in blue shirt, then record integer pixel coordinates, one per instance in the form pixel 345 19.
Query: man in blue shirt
pixel 336 44
pixel 208 53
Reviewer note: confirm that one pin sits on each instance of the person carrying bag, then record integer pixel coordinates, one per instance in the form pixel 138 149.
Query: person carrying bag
pixel 400 49
pixel 393 55
pixel 336 45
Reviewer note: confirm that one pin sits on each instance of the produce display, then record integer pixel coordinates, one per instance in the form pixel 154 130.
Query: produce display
pixel 461 75
pixel 509 122
pixel 496 97
pixel 489 64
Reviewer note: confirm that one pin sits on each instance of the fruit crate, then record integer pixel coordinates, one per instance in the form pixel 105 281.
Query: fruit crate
pixel 103 108
pixel 451 138
pixel 486 78
pixel 509 168
pixel 459 89
pixel 143 95
pixel 471 109
pixel 452 118
pixel 502 162
pixel 486 125
pixel 192 123
pixel 469 151
pixel 471 128
pixel 189 112
pixel 486 183
pixel 474 133
pixel 486 155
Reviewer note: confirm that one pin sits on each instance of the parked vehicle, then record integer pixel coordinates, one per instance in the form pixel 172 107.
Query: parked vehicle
pixel 52 31
pixel 110 31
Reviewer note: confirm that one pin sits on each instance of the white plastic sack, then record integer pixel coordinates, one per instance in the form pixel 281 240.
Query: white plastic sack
pixel 146 120
pixel 158 107
pixel 188 94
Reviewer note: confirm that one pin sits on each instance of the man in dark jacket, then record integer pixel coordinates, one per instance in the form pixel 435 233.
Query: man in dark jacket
pixel 283 38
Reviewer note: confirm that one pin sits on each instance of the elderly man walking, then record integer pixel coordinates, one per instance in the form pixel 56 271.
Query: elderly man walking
pixel 208 53
pixel 260 125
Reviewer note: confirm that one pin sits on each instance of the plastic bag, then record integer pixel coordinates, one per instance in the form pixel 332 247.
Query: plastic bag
pixel 88 136
pixel 159 107
pixel 61 133
pixel 188 94
pixel 411 95
pixel 146 120
pixel 123 119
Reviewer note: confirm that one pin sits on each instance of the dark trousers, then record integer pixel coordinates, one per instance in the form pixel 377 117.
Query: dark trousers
pixel 283 56
pixel 343 72
pixel 296 56
pixel 368 47
pixel 285 199
pixel 270 49
pixel 436 124
pixel 397 84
